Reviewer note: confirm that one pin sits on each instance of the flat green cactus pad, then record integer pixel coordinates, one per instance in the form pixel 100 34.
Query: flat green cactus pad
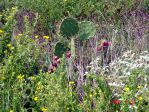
pixel 69 27
pixel 87 30
pixel 60 49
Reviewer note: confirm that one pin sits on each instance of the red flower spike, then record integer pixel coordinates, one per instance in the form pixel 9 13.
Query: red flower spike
pixel 116 102
pixel 68 54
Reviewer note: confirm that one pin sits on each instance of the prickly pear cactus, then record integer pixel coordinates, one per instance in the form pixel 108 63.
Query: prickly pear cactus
pixel 60 49
pixel 87 30
pixel 69 27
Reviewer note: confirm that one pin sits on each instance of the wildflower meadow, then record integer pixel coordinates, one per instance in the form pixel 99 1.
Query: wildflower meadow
pixel 74 55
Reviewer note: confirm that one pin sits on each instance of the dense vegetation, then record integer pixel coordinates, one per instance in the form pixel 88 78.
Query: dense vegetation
pixel 74 56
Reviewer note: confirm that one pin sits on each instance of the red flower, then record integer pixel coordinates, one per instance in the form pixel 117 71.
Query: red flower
pixel 116 102
pixel 132 102
pixel 68 54
pixel 106 44
pixel 55 58
pixel 54 65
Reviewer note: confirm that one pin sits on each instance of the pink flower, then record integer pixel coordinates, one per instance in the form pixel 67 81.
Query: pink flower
pixel 55 58
pixel 68 54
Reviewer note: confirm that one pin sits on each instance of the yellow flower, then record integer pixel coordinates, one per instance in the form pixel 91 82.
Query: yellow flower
pixel 20 77
pixel 139 87
pixel 1 15
pixel 1 31
pixel 71 83
pixel 46 37
pixel 140 98
pixel 127 89
pixel 39 83
pixel 9 45
pixel 36 36
pixel 43 109
pixel 36 98
pixel 11 111
pixel 11 48
pixel 99 91
pixel 90 95
pixel 39 88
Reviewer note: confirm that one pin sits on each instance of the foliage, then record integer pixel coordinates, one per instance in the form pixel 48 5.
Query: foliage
pixel 69 27
pixel 36 74
pixel 87 30
pixel 60 49
pixel 6 30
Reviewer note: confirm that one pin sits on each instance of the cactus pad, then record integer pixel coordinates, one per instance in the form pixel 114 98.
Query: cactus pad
pixel 87 30
pixel 69 27
pixel 60 49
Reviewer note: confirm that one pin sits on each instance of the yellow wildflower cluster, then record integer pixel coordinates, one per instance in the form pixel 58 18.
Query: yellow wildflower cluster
pixel 10 46
pixel 45 37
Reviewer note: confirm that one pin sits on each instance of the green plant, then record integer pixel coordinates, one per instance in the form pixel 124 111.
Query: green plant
pixel 87 30
pixel 6 30
pixel 24 56
pixel 60 49
pixel 69 27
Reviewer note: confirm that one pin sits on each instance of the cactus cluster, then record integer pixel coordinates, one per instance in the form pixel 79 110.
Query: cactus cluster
pixel 70 28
